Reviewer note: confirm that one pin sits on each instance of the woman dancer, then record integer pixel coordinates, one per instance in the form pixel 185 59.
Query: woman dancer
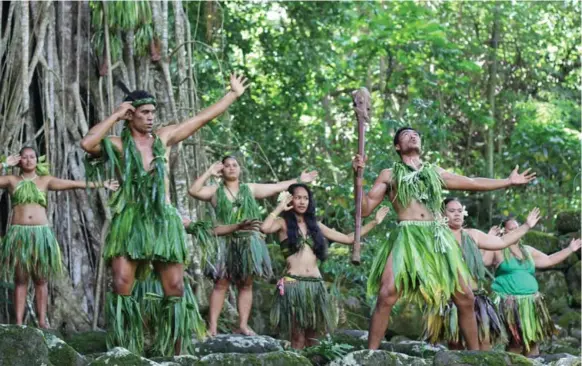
pixel 243 255
pixel 30 248
pixel 302 309
pixel 515 290
pixel 477 252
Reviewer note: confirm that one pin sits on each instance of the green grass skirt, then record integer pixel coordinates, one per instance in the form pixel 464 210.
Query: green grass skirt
pixel 169 318
pixel 33 248
pixel 144 237
pixel 444 326
pixel 241 255
pixel 526 318
pixel 426 263
pixel 303 305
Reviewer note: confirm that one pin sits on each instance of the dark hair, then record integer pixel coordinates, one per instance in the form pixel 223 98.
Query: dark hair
pixel 400 131
pixel 319 242
pixel 132 96
pixel 449 200
pixel 508 219
pixel 29 148
pixel 224 159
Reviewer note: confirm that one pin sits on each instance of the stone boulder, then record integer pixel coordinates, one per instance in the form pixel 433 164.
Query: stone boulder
pixel 554 287
pixel 569 321
pixel 354 337
pixel 184 360
pixel 544 242
pixel 87 342
pixel 237 343
pixel 568 222
pixel 413 348
pixel 574 276
pixel 407 320
pixel 279 358
pixel 359 340
pixel 569 345
pixel 479 358
pixel 61 353
pixel 560 359
pixel 263 299
pixel 121 357
pixel 374 358
pixel 23 346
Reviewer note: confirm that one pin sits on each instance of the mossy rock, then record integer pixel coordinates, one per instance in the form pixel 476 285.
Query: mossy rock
pixel 354 337
pixel 121 357
pixel 568 345
pixel 568 221
pixel 560 359
pixel 407 320
pixel 569 320
pixel 413 348
pixel 88 342
pixel 554 287
pixel 237 343
pixel 544 242
pixel 574 277
pixel 61 353
pixel 184 360
pixel 479 358
pixel 23 346
pixel 279 358
pixel 373 358
pixel 263 300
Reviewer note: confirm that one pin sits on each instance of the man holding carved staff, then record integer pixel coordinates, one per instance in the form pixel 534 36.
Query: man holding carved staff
pixel 421 259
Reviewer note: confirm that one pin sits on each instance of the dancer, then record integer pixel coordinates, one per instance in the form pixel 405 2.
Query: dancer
pixel 443 325
pixel 421 260
pixel 30 248
pixel 145 227
pixel 302 309
pixel 149 293
pixel 515 290
pixel 243 255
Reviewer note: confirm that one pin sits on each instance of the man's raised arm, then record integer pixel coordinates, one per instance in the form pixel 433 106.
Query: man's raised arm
pixel 179 132
pixel 91 143
pixel 460 182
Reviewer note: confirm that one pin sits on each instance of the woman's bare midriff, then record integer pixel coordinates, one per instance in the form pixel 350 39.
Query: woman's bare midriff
pixel 29 214
pixel 303 263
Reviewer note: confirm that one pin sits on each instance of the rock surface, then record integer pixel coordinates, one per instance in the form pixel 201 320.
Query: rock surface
pixel 553 286
pixel 480 358
pixel 23 346
pixel 374 358
pixel 237 343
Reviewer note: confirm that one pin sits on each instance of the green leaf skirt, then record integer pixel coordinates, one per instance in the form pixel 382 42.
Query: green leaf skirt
pixel 526 318
pixel 239 256
pixel 302 303
pixel 143 236
pixel 444 325
pixel 33 248
pixel 427 263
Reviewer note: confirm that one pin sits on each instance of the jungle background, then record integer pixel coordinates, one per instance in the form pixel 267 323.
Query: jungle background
pixel 490 85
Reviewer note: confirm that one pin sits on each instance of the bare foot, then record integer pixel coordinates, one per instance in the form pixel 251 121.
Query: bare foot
pixel 211 333
pixel 245 331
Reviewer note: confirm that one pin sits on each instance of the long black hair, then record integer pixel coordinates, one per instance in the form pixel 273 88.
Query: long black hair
pixel 319 242
pixel 448 200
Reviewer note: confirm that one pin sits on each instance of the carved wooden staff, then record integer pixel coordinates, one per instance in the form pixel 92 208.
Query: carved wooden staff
pixel 361 98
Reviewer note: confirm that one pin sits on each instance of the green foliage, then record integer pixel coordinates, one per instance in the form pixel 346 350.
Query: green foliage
pixel 328 350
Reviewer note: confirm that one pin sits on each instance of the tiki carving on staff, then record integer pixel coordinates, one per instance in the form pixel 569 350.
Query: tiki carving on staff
pixel 362 107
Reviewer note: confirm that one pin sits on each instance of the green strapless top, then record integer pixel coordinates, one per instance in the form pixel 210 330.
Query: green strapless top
pixel 26 192
pixel 515 277
pixel 288 251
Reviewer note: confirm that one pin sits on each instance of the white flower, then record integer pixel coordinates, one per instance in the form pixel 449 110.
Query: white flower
pixel 283 195
pixel 465 213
